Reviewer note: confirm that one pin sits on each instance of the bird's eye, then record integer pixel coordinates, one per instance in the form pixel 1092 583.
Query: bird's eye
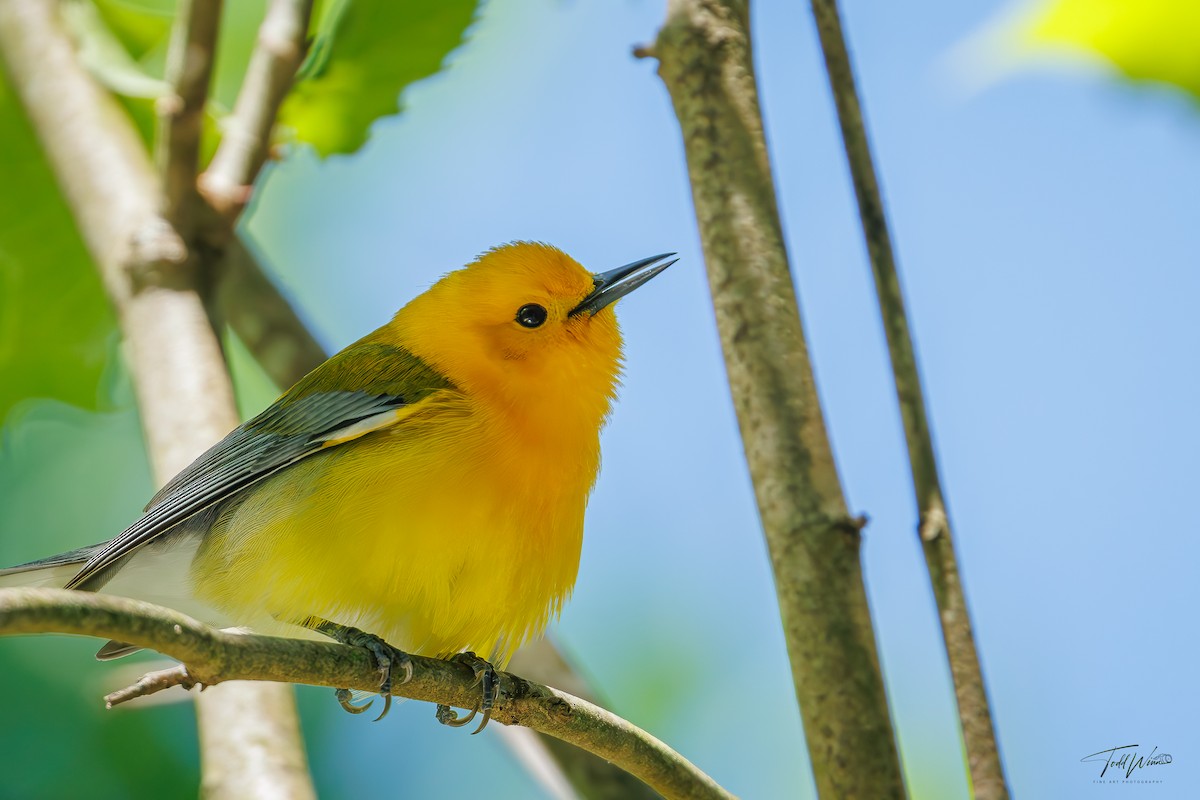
pixel 531 315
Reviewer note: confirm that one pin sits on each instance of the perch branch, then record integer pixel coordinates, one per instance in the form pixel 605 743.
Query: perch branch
pixel 211 656
pixel 983 755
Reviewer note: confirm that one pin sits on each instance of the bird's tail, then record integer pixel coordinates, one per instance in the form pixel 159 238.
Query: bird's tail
pixel 51 573
pixel 158 573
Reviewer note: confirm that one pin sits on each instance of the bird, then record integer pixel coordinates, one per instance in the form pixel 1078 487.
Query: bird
pixel 421 491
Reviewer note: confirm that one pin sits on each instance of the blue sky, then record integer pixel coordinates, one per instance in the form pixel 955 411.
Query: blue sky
pixel 1046 233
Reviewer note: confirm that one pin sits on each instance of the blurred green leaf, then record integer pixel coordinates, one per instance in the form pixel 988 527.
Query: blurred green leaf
pixel 1155 40
pixel 140 25
pixel 364 53
pixel 55 323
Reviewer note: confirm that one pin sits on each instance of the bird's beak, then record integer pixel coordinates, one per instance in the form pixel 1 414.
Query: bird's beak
pixel 611 286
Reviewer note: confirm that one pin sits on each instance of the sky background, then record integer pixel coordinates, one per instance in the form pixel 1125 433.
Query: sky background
pixel 1047 238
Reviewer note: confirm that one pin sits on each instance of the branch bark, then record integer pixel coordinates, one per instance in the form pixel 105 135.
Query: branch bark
pixel 183 389
pixel 983 755
pixel 227 182
pixel 704 55
pixel 266 321
pixel 181 113
pixel 592 778
pixel 213 656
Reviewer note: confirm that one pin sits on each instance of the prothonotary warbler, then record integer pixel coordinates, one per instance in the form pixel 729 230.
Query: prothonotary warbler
pixel 426 485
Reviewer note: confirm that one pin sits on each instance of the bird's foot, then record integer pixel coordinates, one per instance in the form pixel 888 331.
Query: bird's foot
pixel 388 658
pixel 485 676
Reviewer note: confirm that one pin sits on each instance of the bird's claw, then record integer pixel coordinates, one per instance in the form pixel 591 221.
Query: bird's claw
pixel 485 676
pixel 344 700
pixel 387 658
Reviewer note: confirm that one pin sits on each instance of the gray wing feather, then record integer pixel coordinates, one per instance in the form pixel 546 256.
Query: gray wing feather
pixel 275 439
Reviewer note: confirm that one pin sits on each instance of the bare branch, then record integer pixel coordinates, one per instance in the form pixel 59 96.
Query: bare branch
pixel 983 755
pixel 181 113
pixel 183 388
pixel 151 683
pixel 212 656
pixel 264 319
pixel 593 778
pixel 705 61
pixel 246 140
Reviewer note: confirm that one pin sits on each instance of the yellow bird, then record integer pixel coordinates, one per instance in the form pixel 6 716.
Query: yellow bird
pixel 427 484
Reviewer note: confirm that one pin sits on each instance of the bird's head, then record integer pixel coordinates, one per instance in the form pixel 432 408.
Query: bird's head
pixel 524 323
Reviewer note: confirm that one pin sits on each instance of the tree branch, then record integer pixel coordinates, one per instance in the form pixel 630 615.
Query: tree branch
pixel 246 139
pixel 704 54
pixel 983 755
pixel 183 389
pixel 266 321
pixel 181 113
pixel 593 778
pixel 212 656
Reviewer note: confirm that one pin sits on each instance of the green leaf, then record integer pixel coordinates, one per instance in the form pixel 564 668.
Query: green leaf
pixel 140 25
pixel 1153 40
pixel 364 53
pixel 56 328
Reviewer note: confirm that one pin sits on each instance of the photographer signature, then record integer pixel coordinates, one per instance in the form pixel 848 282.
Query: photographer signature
pixel 1126 757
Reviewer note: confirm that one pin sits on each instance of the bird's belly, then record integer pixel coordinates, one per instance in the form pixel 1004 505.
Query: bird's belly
pixel 435 548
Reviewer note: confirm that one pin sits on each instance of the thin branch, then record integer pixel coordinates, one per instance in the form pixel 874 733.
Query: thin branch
pixel 705 61
pixel 983 755
pixel 183 389
pixel 266 321
pixel 181 113
pixel 212 656
pixel 246 139
pixel 593 778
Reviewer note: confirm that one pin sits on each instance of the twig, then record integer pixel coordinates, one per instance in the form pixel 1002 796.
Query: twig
pixel 983 755
pixel 212 656
pixel 705 61
pixel 181 113
pixel 183 390
pixel 151 683
pixel 246 139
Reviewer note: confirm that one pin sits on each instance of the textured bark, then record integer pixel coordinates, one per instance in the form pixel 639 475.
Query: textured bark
pixel 983 756
pixel 705 60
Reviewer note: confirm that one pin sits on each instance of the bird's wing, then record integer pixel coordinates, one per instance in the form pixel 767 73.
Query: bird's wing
pixel 378 385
